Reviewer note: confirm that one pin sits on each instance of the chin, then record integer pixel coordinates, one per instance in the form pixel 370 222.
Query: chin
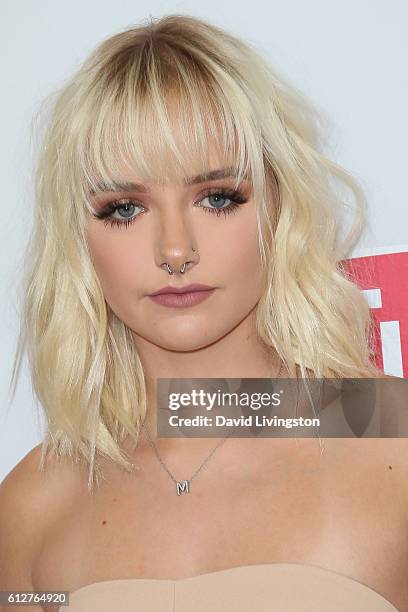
pixel 184 344
pixel 185 338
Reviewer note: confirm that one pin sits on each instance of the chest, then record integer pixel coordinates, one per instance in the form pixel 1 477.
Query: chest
pixel 345 512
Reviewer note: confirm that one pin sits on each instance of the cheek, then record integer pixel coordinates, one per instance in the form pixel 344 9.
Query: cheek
pixel 115 258
pixel 241 256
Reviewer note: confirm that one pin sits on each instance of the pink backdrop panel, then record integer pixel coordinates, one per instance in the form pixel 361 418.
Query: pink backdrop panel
pixel 384 280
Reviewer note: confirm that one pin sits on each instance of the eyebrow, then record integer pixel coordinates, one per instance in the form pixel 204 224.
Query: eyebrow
pixel 124 186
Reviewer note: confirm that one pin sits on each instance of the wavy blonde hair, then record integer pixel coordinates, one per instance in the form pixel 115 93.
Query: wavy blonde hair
pixel 115 110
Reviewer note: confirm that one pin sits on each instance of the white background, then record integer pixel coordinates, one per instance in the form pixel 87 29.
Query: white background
pixel 348 56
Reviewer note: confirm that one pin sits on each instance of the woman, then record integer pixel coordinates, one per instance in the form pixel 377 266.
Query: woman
pixel 166 130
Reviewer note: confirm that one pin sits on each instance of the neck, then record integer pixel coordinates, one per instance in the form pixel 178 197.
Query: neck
pixel 239 354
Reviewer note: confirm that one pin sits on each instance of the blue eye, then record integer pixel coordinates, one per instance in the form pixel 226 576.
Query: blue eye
pixel 127 207
pixel 219 208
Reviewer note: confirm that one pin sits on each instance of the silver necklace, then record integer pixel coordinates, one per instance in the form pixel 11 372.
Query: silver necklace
pixel 183 486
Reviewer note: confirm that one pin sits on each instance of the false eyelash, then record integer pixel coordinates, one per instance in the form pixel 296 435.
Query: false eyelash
pixel 237 199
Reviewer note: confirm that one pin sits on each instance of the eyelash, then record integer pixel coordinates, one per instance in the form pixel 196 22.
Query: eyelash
pixel 237 198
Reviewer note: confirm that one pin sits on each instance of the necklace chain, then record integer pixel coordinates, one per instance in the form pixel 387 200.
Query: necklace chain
pixel 184 485
pixel 197 470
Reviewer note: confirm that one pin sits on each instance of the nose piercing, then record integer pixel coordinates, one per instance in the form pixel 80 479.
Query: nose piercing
pixel 182 269
pixel 170 270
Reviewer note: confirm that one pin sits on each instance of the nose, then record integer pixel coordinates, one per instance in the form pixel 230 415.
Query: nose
pixel 175 251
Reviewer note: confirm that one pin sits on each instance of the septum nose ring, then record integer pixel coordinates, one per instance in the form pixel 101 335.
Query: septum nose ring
pixel 170 271
pixel 182 269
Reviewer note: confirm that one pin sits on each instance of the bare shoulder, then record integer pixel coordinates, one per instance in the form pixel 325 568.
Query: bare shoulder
pixel 30 501
pixel 395 448
pixel 29 488
pixel 21 515
pixel 394 451
pixel 384 457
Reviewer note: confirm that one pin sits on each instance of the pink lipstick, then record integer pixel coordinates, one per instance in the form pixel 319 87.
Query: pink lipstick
pixel 182 297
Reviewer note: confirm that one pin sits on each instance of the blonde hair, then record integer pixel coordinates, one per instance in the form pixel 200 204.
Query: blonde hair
pixel 115 110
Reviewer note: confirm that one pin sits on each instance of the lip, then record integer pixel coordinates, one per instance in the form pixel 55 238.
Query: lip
pixel 178 290
pixel 183 299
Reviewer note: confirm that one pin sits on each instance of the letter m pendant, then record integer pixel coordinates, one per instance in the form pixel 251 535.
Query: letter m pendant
pixel 182 487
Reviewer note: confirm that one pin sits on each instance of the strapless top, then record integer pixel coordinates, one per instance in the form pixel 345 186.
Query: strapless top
pixel 281 587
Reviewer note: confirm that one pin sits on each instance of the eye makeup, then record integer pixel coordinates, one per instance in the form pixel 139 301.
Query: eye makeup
pixel 129 205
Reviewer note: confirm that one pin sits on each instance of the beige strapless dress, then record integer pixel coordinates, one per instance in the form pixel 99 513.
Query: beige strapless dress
pixel 284 587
